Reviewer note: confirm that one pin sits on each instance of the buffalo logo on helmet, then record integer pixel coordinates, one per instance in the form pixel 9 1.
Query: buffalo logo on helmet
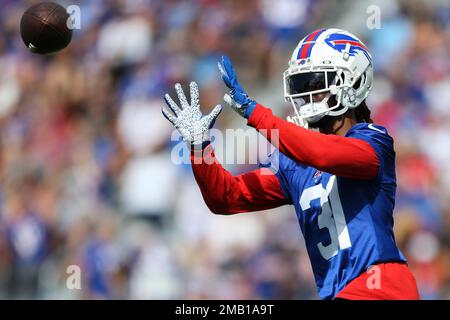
pixel 339 41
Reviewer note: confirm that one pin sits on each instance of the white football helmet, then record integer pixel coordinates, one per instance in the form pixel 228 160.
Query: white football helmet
pixel 329 62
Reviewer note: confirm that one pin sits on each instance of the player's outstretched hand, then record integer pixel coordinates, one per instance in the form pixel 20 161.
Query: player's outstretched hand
pixel 237 98
pixel 188 118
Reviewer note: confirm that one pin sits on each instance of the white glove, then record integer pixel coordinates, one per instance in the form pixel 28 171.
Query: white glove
pixel 192 125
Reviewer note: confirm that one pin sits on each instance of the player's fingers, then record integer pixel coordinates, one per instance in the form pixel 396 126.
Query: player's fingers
pixel 168 116
pixel 228 66
pixel 224 74
pixel 222 70
pixel 212 116
pixel 216 111
pixel 194 93
pixel 172 105
pixel 181 96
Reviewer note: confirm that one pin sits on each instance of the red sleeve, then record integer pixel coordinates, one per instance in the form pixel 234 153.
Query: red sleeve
pixel 227 194
pixel 342 156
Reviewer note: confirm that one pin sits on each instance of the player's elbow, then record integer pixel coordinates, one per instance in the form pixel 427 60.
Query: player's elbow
pixel 220 211
pixel 221 208
pixel 222 205
pixel 223 211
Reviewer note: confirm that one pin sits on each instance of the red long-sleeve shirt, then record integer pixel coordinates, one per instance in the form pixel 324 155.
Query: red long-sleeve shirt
pixel 260 189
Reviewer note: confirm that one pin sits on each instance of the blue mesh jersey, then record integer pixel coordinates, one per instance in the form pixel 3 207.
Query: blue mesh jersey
pixel 347 223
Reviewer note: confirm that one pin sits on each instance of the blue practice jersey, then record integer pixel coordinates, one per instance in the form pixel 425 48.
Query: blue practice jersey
pixel 347 223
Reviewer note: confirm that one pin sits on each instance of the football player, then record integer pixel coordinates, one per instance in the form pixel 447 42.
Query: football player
pixel 340 177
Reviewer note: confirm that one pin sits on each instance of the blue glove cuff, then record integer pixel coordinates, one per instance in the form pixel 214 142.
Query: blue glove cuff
pixel 248 111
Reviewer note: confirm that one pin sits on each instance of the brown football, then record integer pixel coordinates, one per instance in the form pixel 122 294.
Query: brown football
pixel 44 28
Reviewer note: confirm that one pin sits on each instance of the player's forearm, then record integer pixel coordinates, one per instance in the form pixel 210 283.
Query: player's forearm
pixel 347 157
pixel 227 194
pixel 213 180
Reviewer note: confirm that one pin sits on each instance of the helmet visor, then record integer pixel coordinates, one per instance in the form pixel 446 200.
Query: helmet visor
pixel 310 81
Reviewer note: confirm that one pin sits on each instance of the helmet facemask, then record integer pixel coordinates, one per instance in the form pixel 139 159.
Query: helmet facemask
pixel 303 87
pixel 302 90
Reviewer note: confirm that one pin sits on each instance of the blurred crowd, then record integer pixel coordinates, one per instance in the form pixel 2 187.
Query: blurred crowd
pixel 85 157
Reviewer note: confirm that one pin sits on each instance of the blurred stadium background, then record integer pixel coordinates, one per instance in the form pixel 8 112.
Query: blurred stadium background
pixel 86 175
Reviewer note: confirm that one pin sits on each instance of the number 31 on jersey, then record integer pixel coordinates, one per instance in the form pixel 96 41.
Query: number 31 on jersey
pixel 332 216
